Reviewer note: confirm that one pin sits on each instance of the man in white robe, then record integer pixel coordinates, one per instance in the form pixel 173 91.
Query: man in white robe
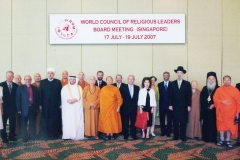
pixel 72 110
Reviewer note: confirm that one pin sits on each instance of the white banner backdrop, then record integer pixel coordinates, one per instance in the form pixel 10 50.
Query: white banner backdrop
pixel 116 28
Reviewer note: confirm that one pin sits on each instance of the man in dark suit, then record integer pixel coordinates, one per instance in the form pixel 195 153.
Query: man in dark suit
pixel 100 83
pixel 180 103
pixel 27 101
pixel 238 138
pixel 163 88
pixel 9 107
pixel 129 107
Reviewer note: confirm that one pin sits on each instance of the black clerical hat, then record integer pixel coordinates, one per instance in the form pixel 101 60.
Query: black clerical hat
pixel 214 75
pixel 180 68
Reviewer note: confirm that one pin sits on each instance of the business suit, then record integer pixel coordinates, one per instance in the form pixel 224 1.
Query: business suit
pixel 164 108
pixel 128 110
pixel 28 111
pixel 9 110
pixel 102 84
pixel 180 99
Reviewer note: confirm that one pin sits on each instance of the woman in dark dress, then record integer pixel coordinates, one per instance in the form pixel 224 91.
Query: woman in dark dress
pixel 147 102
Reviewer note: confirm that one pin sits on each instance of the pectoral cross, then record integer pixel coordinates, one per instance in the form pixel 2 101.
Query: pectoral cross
pixel 209 99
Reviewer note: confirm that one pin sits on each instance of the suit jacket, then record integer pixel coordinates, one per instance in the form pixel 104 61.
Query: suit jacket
pixel 164 95
pixel 22 99
pixel 180 99
pixel 121 87
pixel 238 86
pixel 129 104
pixel 9 100
pixel 102 84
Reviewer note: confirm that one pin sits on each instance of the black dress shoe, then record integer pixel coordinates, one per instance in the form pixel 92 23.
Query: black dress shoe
pixel 162 134
pixel 183 140
pixel 134 138
pixel 12 139
pixel 175 138
pixel 5 140
pixel 168 135
pixel 25 140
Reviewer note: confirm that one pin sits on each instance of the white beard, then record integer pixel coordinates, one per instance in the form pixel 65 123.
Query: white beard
pixel 211 86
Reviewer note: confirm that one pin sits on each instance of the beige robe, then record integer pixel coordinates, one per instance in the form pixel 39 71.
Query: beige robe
pixel 91 95
pixel 194 124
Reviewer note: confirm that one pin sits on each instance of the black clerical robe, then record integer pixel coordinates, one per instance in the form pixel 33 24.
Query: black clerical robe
pixel 208 116
pixel 50 93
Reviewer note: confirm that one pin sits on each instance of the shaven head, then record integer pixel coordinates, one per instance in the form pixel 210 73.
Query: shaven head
pixel 109 80
pixel 81 76
pixel 37 77
pixel 65 74
pixel 92 81
pixel 227 80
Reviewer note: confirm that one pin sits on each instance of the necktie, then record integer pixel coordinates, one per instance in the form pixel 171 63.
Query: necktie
pixel 100 83
pixel 10 88
pixel 165 86
pixel 130 89
pixel 118 85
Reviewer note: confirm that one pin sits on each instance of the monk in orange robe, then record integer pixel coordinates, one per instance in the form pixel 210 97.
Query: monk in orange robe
pixel 64 80
pixel 110 102
pixel 91 99
pixel 81 81
pixel 227 103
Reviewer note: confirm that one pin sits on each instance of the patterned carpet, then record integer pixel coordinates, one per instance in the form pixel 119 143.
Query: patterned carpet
pixel 156 148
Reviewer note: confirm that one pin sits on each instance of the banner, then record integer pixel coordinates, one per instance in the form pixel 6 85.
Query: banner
pixel 117 28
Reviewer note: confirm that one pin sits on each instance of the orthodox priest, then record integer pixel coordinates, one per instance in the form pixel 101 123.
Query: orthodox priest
pixel 72 110
pixel 50 104
pixel 208 110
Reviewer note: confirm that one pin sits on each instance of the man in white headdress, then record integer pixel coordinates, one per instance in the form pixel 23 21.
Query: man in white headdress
pixel 50 104
pixel 72 110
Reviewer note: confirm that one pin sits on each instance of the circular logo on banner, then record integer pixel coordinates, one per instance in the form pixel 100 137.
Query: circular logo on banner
pixel 66 29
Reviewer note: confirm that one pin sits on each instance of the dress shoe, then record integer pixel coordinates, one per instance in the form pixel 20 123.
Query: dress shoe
pixel 183 140
pixel 168 135
pixel 12 139
pixel 162 134
pixel 5 140
pixel 175 138
pixel 25 140
pixel 134 138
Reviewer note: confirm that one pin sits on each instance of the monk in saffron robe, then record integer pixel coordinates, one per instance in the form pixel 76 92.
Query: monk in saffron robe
pixel 109 117
pixel 91 107
pixel 64 80
pixel 81 81
pixel 227 102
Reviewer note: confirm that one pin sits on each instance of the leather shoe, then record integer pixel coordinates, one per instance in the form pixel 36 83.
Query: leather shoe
pixel 134 138
pixel 175 138
pixel 168 135
pixel 5 140
pixel 162 134
pixel 183 140
pixel 12 139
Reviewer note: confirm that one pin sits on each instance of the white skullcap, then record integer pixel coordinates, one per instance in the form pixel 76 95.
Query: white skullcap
pixel 50 69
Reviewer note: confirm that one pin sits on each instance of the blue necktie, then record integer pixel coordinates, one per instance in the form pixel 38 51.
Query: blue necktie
pixel 165 86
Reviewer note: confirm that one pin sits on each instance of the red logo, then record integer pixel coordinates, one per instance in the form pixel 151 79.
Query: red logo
pixel 66 29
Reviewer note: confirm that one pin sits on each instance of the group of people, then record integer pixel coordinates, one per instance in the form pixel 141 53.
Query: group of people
pixel 77 109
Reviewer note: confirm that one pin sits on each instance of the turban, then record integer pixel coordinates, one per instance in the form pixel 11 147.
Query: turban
pixel 51 70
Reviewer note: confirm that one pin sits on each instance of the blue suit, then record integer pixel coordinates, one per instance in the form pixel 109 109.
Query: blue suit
pixel 28 111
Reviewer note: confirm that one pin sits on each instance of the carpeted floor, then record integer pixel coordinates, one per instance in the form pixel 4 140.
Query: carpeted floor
pixel 156 148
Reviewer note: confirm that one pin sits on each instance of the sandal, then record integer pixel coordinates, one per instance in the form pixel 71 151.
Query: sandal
pixel 220 143
pixel 229 144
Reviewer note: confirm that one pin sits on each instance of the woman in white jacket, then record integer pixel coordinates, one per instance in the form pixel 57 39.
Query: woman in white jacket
pixel 147 102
